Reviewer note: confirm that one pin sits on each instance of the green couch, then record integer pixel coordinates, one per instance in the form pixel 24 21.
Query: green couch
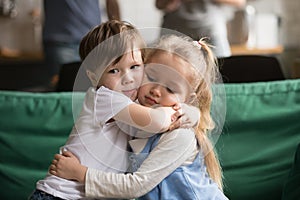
pixel 256 148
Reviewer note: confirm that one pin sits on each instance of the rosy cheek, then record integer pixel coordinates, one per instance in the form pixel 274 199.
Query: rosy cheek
pixel 176 99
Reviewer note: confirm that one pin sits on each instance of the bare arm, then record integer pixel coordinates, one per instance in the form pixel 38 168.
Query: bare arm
pixel 122 109
pixel 160 119
pixel 154 120
pixel 112 9
pixel 167 5
pixel 236 3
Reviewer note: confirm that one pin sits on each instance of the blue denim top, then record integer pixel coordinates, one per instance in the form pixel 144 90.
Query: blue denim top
pixel 189 182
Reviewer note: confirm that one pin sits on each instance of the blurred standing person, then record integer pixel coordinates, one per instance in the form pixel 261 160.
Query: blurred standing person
pixel 65 23
pixel 199 18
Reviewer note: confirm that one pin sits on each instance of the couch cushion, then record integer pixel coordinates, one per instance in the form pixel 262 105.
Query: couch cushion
pixel 259 138
pixel 291 190
pixel 32 128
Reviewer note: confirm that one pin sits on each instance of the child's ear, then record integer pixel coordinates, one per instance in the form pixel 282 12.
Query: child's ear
pixel 93 78
pixel 192 98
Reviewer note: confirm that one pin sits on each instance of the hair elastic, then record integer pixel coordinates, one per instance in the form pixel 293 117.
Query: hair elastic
pixel 197 44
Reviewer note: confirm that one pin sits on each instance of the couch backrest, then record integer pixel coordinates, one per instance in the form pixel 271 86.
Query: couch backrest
pixel 256 148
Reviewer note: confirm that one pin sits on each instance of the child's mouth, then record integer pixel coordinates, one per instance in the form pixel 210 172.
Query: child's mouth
pixel 150 101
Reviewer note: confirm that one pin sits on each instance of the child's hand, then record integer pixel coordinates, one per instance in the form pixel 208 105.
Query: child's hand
pixel 190 116
pixel 175 118
pixel 186 116
pixel 177 114
pixel 66 165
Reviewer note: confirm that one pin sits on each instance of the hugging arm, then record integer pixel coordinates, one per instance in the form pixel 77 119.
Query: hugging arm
pixel 122 109
pixel 171 151
pixel 152 120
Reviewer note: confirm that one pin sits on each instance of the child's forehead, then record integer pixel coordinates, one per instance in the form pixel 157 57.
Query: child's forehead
pixel 132 56
pixel 127 60
pixel 165 74
pixel 136 53
pixel 170 63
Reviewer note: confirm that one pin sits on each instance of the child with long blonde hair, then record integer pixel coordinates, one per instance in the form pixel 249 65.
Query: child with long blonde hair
pixel 177 165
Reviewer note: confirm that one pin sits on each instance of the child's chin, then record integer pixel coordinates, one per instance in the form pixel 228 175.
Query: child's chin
pixel 131 94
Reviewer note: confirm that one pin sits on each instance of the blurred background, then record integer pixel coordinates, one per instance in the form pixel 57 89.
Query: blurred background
pixel 263 27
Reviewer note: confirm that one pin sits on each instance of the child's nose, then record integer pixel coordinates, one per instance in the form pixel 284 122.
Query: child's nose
pixel 155 90
pixel 127 78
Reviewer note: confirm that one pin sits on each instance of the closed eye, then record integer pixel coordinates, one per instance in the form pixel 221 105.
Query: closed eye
pixel 170 90
pixel 150 78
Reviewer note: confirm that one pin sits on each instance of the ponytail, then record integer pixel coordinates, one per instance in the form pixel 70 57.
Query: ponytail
pixel 204 95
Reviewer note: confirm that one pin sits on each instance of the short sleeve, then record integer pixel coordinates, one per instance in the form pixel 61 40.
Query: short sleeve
pixel 108 103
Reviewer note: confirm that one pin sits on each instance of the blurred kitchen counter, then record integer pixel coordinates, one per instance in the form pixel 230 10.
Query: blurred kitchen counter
pixel 244 50
pixel 10 56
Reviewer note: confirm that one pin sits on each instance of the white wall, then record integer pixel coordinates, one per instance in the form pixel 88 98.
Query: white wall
pixel 143 15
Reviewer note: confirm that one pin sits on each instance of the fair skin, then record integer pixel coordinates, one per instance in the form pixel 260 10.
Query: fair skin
pixel 126 77
pixel 236 3
pixel 165 84
pixel 157 89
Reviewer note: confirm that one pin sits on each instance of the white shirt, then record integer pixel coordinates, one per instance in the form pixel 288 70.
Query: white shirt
pixel 96 143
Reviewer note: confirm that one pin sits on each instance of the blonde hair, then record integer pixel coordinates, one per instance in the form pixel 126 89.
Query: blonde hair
pixel 203 75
